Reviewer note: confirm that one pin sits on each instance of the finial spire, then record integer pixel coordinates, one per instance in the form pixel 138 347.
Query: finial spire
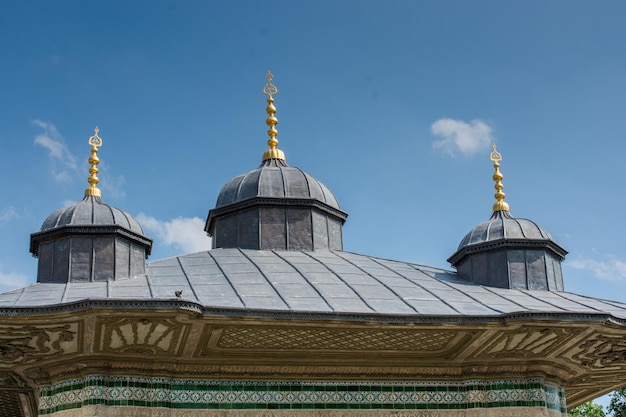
pixel 95 141
pixel 500 204
pixel 273 152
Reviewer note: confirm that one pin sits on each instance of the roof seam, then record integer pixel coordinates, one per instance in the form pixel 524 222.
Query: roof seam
pixel 306 279
pixel 585 304
pixel 227 279
pixel 530 294
pixel 22 291
pixel 463 292
pixel 65 291
pixel 149 282
pixel 266 278
pixel 379 281
pixel 182 268
pixel 426 289
pixel 505 297
pixel 308 184
pixel 340 279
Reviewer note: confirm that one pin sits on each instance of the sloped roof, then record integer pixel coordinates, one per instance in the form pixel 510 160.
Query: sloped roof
pixel 323 282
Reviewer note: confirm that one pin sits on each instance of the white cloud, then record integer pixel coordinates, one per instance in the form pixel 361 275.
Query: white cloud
pixel 457 136
pixel 58 152
pixel 10 280
pixel 186 233
pixel 8 213
pixel 113 185
pixel 611 269
pixel 67 203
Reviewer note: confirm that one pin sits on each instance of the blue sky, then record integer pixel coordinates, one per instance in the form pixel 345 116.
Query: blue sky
pixel 392 104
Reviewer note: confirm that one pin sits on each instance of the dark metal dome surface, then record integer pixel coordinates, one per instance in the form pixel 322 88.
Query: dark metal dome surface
pixel 502 225
pixel 275 179
pixel 91 211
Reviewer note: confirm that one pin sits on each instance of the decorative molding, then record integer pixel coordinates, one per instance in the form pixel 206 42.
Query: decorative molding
pixel 349 340
pixel 602 352
pixel 99 411
pixel 155 336
pixel 315 397
pixel 87 230
pixel 176 305
pixel 35 342
pixel 527 342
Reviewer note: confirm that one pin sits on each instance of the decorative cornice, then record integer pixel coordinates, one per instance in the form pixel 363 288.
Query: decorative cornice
pixel 507 243
pixel 272 202
pixel 87 230
pixel 162 305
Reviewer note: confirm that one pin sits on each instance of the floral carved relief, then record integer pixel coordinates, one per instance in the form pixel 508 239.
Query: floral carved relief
pixel 602 352
pixel 527 342
pixel 30 343
pixel 132 335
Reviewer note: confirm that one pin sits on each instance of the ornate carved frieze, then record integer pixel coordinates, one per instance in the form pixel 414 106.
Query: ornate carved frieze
pixel 527 342
pixel 20 344
pixel 157 336
pixel 602 352
pixel 433 343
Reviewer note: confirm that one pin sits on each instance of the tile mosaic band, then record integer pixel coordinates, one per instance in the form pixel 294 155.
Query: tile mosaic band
pixel 188 394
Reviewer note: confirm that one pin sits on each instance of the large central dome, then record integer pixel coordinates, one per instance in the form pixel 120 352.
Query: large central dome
pixel 276 207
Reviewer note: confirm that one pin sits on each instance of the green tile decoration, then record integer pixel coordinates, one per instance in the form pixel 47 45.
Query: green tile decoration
pixel 267 395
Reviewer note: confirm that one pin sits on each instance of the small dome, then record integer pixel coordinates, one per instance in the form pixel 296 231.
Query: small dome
pixel 275 179
pixel 91 211
pixel 506 252
pixel 502 225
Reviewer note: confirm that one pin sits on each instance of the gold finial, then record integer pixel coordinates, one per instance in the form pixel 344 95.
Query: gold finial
pixel 500 204
pixel 93 180
pixel 273 152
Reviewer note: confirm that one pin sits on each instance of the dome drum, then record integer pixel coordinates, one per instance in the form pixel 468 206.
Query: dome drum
pixel 90 258
pixel 511 264
pixel 288 225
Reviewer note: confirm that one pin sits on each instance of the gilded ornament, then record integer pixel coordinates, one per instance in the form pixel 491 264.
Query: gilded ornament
pixel 500 204
pixel 95 141
pixel 273 152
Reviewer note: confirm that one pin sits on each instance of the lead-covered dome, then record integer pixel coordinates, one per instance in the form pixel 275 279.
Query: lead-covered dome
pixel 91 211
pixel 509 252
pixel 276 207
pixel 502 225
pixel 275 179
pixel 90 240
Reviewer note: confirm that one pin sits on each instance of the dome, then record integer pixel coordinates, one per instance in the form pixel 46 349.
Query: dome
pixel 91 211
pixel 89 241
pixel 275 179
pixel 501 226
pixel 276 207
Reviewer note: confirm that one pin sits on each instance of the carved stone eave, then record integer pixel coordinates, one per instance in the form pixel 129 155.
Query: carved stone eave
pixel 586 355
